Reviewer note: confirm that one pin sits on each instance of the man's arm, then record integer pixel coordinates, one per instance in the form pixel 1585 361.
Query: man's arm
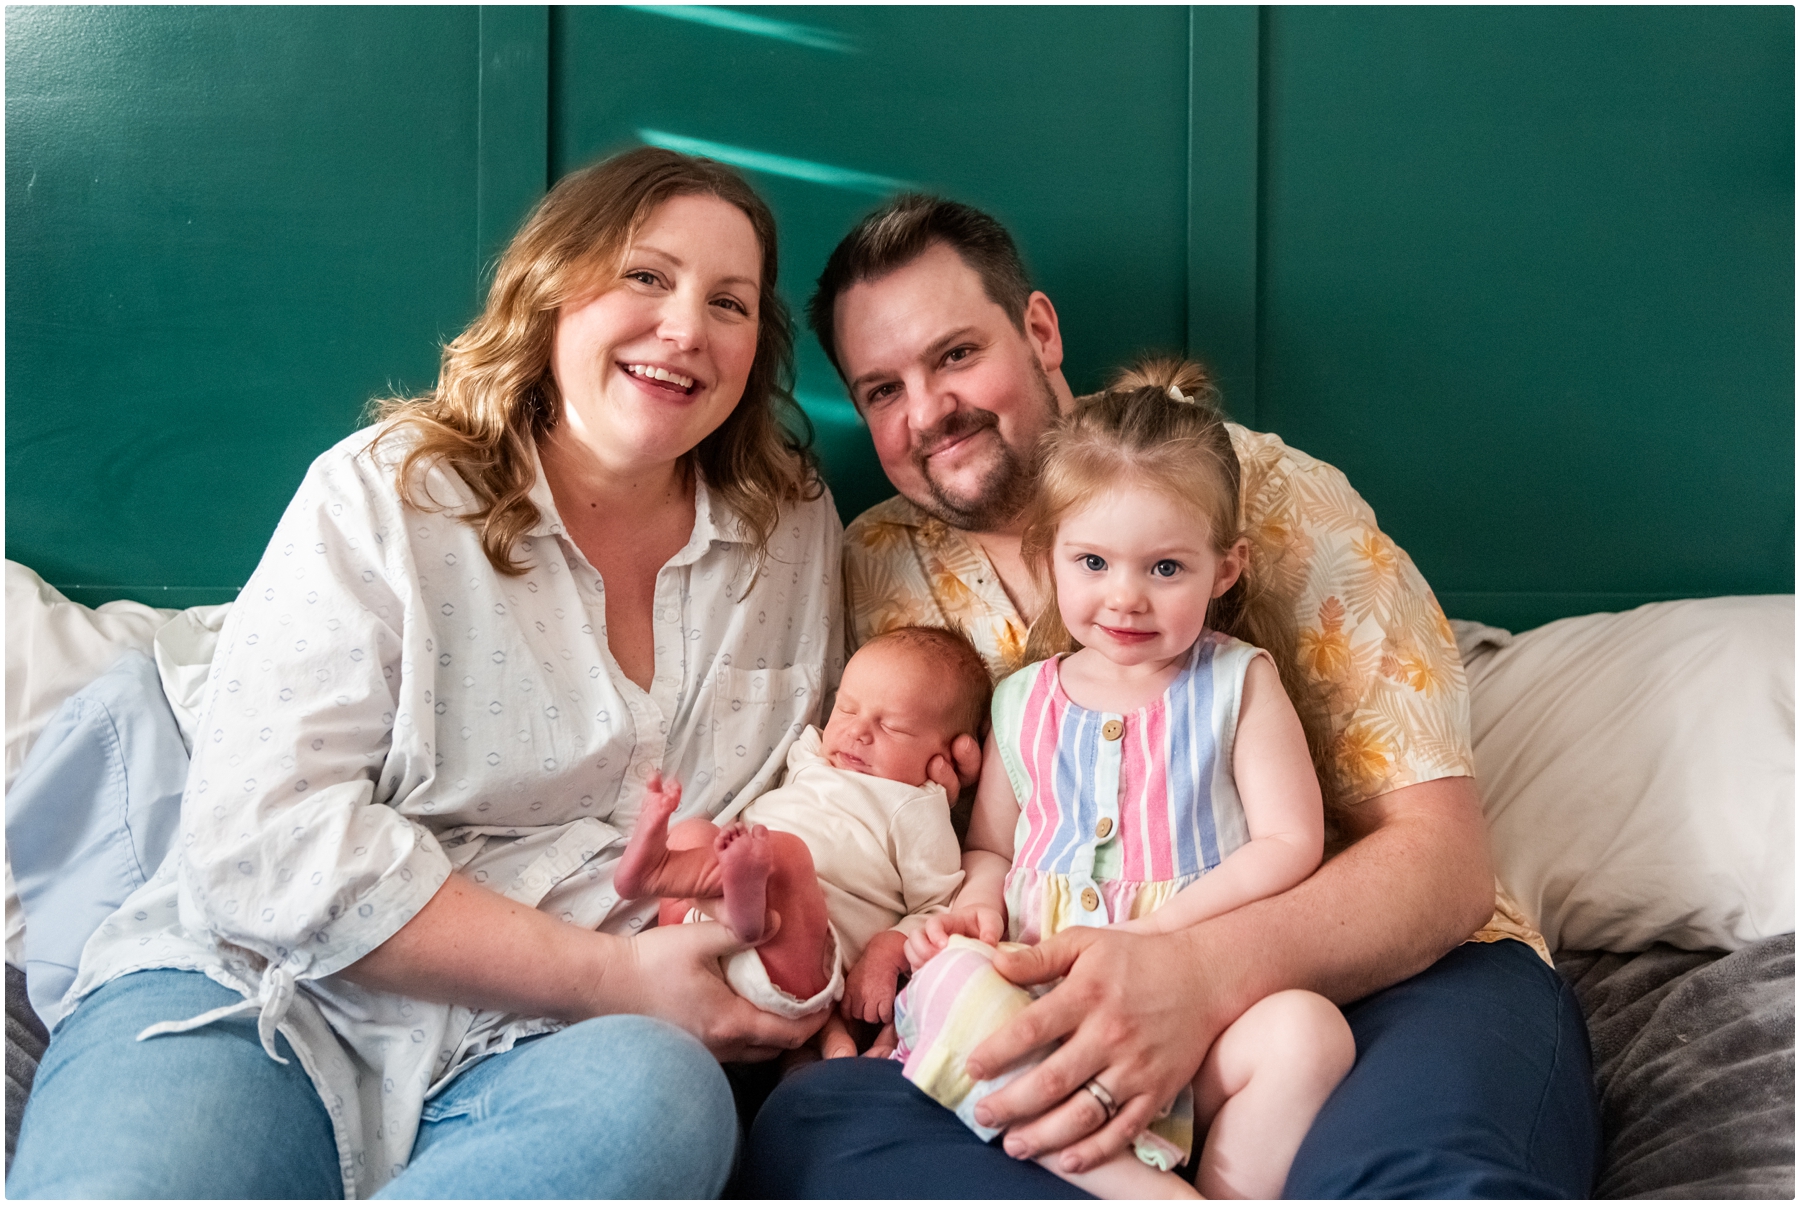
pixel 1138 1013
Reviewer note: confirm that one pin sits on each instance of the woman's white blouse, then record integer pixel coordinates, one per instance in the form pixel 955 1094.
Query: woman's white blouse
pixel 385 708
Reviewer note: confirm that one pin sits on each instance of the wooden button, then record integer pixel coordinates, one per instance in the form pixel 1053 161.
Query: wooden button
pixel 1104 828
pixel 1112 730
pixel 1090 899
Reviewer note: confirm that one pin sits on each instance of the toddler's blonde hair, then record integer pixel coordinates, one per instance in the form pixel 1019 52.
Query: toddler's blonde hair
pixel 1158 426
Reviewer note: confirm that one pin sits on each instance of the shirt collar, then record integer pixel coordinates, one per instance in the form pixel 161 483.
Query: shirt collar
pixel 714 523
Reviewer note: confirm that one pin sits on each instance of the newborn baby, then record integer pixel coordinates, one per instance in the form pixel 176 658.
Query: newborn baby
pixel 852 852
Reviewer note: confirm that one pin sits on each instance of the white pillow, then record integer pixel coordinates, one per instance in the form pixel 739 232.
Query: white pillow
pixel 1637 771
pixel 55 647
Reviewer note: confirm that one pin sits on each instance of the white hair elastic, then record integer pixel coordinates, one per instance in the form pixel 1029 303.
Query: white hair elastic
pixel 1175 395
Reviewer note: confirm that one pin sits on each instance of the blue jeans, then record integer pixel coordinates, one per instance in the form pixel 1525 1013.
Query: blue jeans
pixel 613 1107
pixel 1472 1079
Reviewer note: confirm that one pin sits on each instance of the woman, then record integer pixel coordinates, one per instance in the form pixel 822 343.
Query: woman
pixel 590 555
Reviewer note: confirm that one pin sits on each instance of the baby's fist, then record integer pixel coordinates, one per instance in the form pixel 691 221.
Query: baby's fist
pixel 870 988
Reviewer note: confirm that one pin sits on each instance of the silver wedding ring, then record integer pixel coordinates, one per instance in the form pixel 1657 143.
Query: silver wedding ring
pixel 1105 1098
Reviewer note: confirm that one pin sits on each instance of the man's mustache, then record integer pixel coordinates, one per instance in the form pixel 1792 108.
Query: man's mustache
pixel 958 424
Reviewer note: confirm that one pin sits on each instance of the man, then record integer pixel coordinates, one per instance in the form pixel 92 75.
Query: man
pixel 1472 1076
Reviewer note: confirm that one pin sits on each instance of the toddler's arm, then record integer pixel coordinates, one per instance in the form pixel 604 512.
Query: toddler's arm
pixel 1280 792
pixel 980 907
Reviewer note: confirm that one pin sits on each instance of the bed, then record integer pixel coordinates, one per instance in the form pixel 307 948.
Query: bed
pixel 1637 773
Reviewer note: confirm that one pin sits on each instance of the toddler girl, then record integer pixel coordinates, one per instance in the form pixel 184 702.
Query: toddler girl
pixel 1155 777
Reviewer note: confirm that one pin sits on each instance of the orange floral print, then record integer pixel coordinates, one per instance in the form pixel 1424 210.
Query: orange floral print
pixel 1363 759
pixel 1370 630
pixel 1324 651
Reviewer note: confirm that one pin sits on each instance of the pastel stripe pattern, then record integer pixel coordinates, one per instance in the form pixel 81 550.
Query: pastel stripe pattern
pixel 949 1008
pixel 1162 792
pixel 1108 830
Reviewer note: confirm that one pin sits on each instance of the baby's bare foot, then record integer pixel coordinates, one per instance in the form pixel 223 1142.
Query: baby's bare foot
pixel 746 859
pixel 648 848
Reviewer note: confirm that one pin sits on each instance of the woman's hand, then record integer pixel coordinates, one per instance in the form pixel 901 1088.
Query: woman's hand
pixel 978 921
pixel 672 972
pixel 1135 1013
pixel 475 947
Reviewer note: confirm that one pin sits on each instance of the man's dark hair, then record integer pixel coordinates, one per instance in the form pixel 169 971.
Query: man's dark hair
pixel 901 231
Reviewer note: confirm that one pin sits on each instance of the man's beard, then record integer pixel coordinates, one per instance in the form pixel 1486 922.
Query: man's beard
pixel 1007 486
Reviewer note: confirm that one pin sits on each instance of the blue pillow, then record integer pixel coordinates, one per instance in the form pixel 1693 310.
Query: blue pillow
pixel 91 815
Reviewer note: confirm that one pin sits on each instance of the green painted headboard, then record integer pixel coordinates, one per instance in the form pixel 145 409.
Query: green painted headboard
pixel 1525 274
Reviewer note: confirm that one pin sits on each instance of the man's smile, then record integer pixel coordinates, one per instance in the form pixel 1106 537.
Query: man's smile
pixel 955 433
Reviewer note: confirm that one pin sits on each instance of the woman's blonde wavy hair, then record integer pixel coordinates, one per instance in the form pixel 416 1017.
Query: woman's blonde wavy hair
pixel 496 396
pixel 1136 431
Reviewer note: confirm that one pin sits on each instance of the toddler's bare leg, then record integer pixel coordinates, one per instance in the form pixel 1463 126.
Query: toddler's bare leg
pixel 1124 1177
pixel 1260 1087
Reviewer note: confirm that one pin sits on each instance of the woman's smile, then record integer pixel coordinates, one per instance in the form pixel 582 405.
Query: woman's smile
pixel 660 379
pixel 678 324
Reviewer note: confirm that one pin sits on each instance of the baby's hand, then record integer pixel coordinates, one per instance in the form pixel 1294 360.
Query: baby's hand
pixel 978 921
pixel 870 988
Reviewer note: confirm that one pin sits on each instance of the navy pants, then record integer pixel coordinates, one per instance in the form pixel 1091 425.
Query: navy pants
pixel 1472 1079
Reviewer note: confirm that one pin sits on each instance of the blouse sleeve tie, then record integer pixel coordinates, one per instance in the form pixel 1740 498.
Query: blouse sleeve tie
pixel 270 1005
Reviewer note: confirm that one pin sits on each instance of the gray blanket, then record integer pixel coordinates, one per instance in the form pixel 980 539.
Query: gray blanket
pixel 1694 1064
pixel 25 1042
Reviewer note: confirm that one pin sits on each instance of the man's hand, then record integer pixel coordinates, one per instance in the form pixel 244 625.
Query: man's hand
pixel 1137 1014
pixel 979 922
pixel 959 770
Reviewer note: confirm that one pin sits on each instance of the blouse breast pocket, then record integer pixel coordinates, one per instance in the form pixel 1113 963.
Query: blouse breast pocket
pixel 755 711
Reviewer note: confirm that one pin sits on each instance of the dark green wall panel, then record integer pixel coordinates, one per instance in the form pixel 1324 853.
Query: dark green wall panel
pixel 1525 274
pixel 227 230
pixel 1527 277
pixel 1069 125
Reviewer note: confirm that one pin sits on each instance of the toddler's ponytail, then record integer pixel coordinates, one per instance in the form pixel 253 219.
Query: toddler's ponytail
pixel 1179 380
